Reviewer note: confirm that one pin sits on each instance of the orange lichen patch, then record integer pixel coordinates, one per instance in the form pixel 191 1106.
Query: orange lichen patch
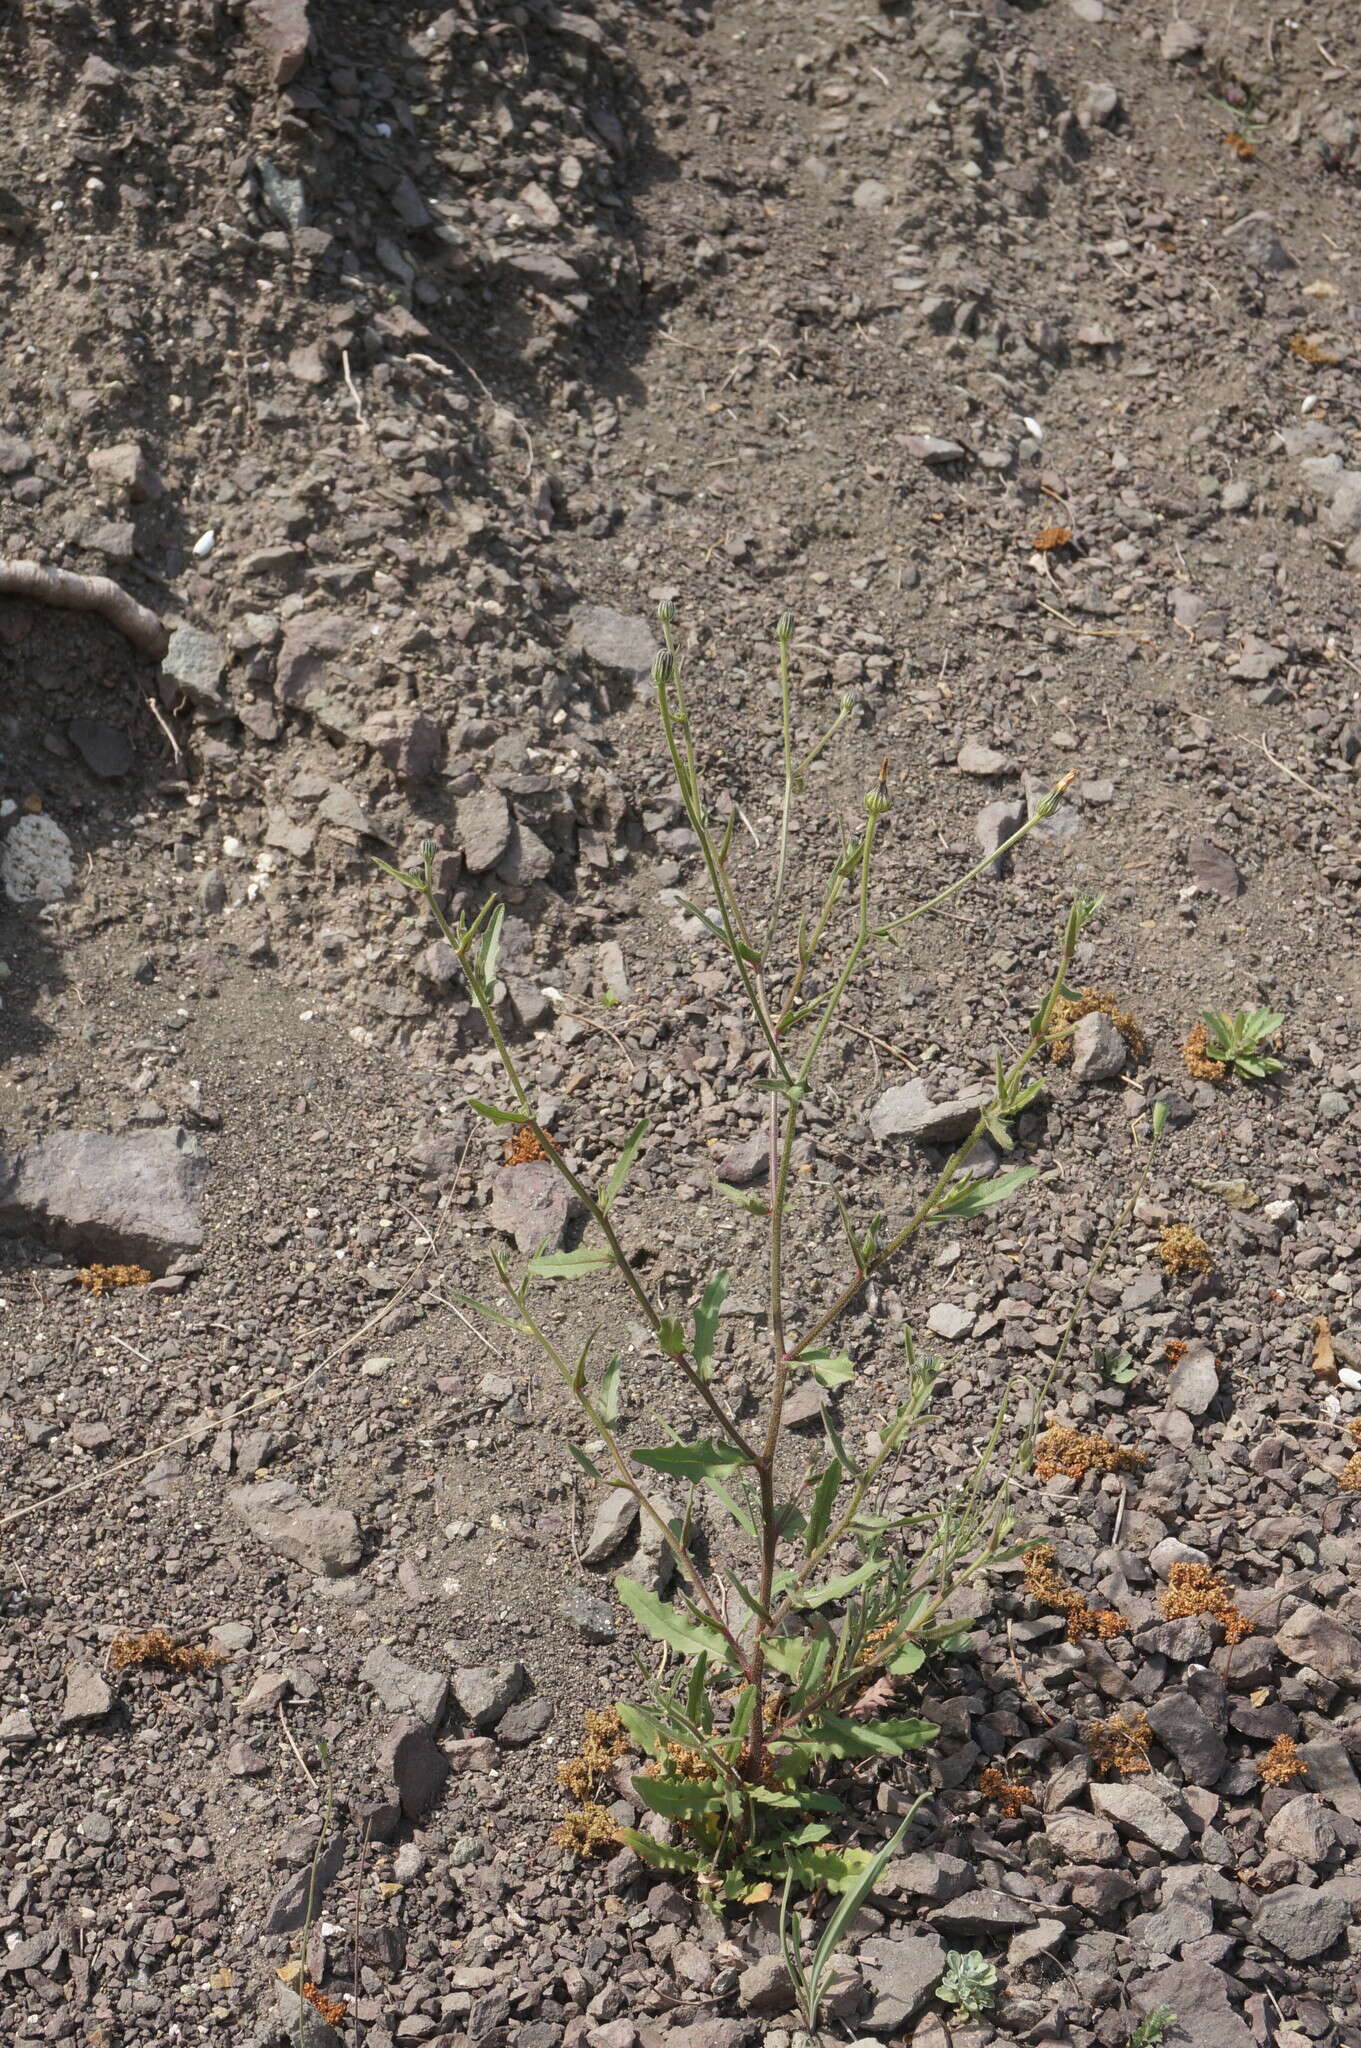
pixel 1310 351
pixel 1349 1479
pixel 103 1279
pixel 1183 1250
pixel 1075 1452
pixel 1068 1009
pixel 331 2009
pixel 1239 144
pixel 1174 1350
pixel 1009 1797
pixel 1050 537
pixel 1044 1585
pixel 604 1742
pixel 525 1146
pixel 1119 1747
pixel 1196 1057
pixel 156 1649
pixel 1281 1763
pixel 1195 1589
pixel 588 1830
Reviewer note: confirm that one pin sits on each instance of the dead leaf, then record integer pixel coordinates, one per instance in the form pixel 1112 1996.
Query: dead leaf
pixel 1321 288
pixel 1261 1696
pixel 1052 537
pixel 1323 1361
pixel 1213 869
pixel 1310 351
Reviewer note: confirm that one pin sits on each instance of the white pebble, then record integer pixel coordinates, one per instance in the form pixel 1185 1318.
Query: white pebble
pixel 205 544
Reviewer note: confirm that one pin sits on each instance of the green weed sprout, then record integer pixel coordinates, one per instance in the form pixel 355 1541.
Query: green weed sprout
pixel 1236 1041
pixel 970 1982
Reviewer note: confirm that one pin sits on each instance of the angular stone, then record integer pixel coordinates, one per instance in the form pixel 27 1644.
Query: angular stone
pixel 1083 1837
pixel 591 1617
pixel 193 667
pixel 35 861
pixel 416 1766
pixel 1199 1996
pixel 484 1692
pixel 909 1112
pixel 324 1541
pixel 295 1903
pixel 1301 1921
pixel 1186 1731
pixel 765 1987
pixel 126 1198
pixel 1099 1052
pixel 745 1160
pixel 301 2024
pixel 15 454
pixel 280 28
pixel 1213 870
pixel 533 1204
pixel 312 643
pixel 1181 39
pixel 1194 1381
pixel 1307 1829
pixel 407 742
pixel 484 829
pixel 983 1912
pixel 105 749
pixel 403 1689
pixel 87 1697
pixel 125 469
pixel 1315 1639
pixel 1332 1774
pixel 947 1320
pixel 901 1974
pixel 994 825
pixel 623 643
pixel 526 859
pixel 614 1518
pixel 1138 1811
pixel 976 759
pixel 930 1874
pixel 523 1723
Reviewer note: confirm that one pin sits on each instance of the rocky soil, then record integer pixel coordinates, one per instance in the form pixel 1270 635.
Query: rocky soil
pixel 400 360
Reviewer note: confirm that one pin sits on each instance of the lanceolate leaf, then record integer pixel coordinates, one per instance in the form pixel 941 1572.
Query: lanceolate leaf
pixel 661 1855
pixel 839 1589
pixel 691 1461
pixel 980 1195
pixel 820 1514
pixel 494 1115
pixel 829 1368
pixel 706 1322
pixel 678 1798
pixel 755 1205
pixel 667 1625
pixel 623 1165
pixel 831 1736
pixel 574 1265
pixel 607 1400
pixel 588 1465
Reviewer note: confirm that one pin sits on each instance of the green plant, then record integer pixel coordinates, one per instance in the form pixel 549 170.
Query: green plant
pixel 1151 2030
pixel 1117 1368
pixel 810 1979
pixel 1236 1041
pixel 969 1981
pixel 784 1647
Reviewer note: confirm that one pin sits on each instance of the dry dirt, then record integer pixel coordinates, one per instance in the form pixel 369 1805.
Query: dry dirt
pixel 1014 351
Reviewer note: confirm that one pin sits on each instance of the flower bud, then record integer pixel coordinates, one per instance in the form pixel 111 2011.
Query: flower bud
pixel 784 626
pixel 666 613
pixel 661 669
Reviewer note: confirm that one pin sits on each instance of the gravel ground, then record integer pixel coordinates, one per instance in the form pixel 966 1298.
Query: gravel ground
pixel 401 361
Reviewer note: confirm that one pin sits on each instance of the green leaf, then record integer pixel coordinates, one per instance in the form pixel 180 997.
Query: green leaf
pixel 906 1660
pixel 575 1265
pixel 692 1461
pixel 820 1514
pixel 740 1515
pixel 661 1855
pixel 646 1732
pixel 742 1713
pixel 839 1589
pixel 485 1308
pixel 706 1323
pixel 679 1798
pixel 975 1197
pixel 832 1736
pixel 829 1368
pixel 497 1116
pixel 588 1465
pixel 398 874
pixel 829 1870
pixel 491 945
pixel 671 1337
pixel 696 1703
pixel 623 1166
pixel 1159 1120
pixel 853 1897
pixel 755 1205
pixel 607 1400
pixel 665 1624
pixel 787 1654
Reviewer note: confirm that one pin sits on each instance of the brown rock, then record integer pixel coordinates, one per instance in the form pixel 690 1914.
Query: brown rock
pixel 282 31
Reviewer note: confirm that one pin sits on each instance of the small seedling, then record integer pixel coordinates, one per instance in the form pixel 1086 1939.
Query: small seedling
pixel 969 1982
pixel 1117 1368
pixel 1151 2030
pixel 1237 1041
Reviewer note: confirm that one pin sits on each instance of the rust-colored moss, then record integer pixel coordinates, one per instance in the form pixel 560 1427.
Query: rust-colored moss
pixel 1195 1589
pixel 1196 1058
pixel 604 1742
pixel 331 2009
pixel 1118 1747
pixel 1282 1763
pixel 156 1649
pixel 1076 1452
pixel 1010 1798
pixel 1045 1586
pixel 1183 1251
pixel 523 1147
pixel 588 1830
pixel 1069 1009
pixel 103 1279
